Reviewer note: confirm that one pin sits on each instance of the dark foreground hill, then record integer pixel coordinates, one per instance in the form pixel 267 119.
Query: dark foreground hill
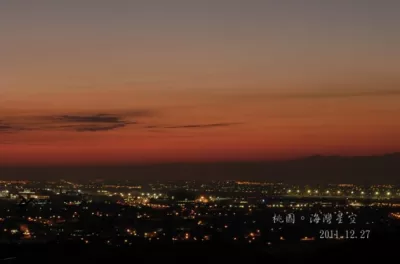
pixel 382 169
pixel 357 251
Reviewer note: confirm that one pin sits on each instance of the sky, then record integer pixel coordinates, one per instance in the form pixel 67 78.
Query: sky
pixel 116 82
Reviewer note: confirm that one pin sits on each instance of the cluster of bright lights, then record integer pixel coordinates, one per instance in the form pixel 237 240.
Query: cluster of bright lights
pixel 338 192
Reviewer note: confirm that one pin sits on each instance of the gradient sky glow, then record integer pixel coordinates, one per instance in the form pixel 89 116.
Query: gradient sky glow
pixel 157 81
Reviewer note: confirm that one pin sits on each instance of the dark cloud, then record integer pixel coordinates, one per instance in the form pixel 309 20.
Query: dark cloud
pixel 100 128
pixel 70 122
pixel 9 128
pixel 94 123
pixel 99 118
pixel 104 117
pixel 91 122
pixel 5 127
pixel 205 125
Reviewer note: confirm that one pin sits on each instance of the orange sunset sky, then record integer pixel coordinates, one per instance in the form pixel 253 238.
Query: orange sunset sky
pixel 107 82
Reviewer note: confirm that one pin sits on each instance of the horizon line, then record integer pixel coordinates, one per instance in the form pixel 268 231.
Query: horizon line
pixel 193 162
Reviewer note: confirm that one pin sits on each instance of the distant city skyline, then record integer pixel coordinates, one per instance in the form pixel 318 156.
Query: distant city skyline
pixel 127 82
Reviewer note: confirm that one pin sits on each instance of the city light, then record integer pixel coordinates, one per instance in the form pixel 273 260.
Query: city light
pixel 211 216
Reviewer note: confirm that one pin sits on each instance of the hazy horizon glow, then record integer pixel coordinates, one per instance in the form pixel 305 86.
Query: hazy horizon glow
pixel 109 82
